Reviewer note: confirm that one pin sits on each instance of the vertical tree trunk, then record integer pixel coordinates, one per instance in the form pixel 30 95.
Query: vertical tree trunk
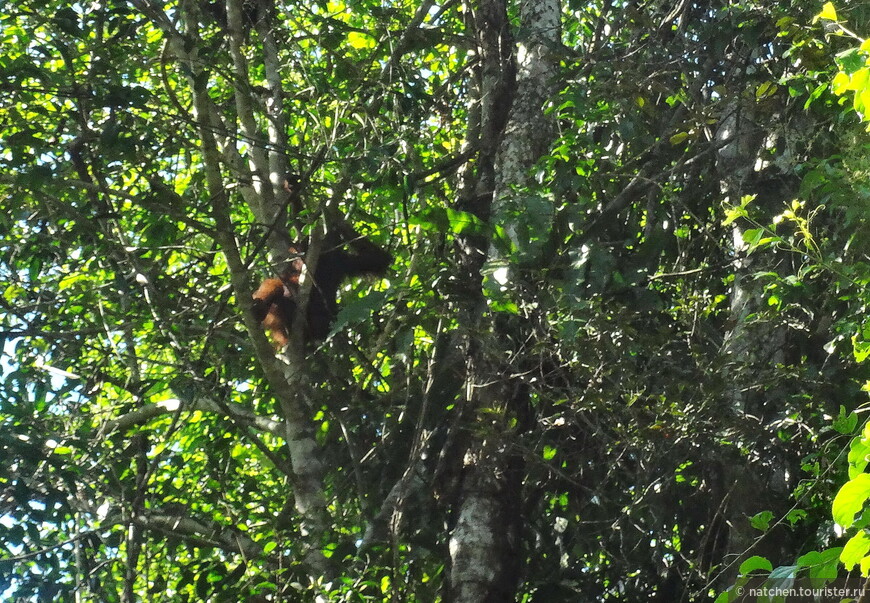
pixel 287 380
pixel 485 543
pixel 751 348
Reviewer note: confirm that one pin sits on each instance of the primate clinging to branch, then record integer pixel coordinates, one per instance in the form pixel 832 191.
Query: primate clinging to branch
pixel 345 254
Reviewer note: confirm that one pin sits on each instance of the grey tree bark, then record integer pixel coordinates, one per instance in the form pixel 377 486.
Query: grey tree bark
pixel 760 480
pixel 485 543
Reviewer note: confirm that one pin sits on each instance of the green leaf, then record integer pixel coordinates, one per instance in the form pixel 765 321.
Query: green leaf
pixel 860 349
pixel 752 236
pixel 859 452
pixel 795 516
pixel 761 521
pixel 765 89
pixel 858 80
pixel 840 83
pixel 827 569
pixel 755 563
pixel 462 222
pixel 810 559
pixel 815 94
pixel 822 565
pixel 851 61
pixel 784 572
pixel 844 423
pixel 506 307
pixel 855 550
pixel 828 13
pixel 850 499
pixel 724 597
pixel 767 241
pixel 732 213
pixel 360 40
pixel 358 310
pixel 443 219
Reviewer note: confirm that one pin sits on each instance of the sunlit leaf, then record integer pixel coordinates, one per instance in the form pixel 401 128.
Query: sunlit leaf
pixel 360 40
pixel 828 12
pixel 851 499
pixel 855 550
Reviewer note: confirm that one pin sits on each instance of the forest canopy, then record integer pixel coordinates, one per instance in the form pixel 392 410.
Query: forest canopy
pixel 461 301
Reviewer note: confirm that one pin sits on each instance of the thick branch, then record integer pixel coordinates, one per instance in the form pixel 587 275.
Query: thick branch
pixel 235 411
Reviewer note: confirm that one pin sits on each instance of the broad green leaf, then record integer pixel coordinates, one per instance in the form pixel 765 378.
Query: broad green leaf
pixel 826 569
pixel 840 83
pixel 858 80
pixel 855 550
pixel 860 349
pixel 828 12
pixel 784 572
pixel 761 521
pixel 810 559
pixel 859 453
pixel 755 563
pixel 846 423
pixel 752 236
pixel 725 597
pixel 822 565
pixel 360 40
pixel 850 499
pixel 733 213
pixel 862 101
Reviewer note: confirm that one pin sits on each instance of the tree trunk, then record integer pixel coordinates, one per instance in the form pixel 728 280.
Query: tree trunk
pixel 485 544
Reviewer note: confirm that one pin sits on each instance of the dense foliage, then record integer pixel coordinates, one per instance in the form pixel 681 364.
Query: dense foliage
pixel 671 300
